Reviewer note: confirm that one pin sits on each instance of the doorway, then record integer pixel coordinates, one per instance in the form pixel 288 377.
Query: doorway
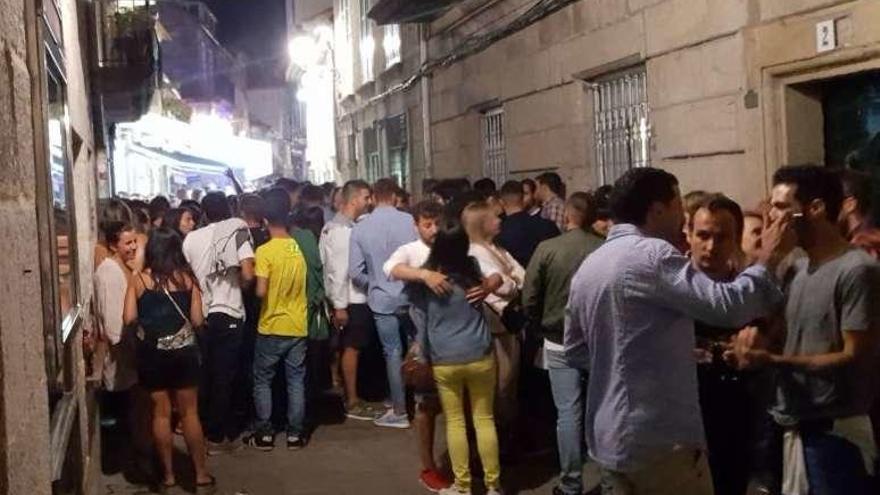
pixel 836 122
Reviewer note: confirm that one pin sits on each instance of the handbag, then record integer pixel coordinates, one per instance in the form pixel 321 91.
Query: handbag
pixel 319 321
pixel 184 337
pixel 417 371
pixel 513 316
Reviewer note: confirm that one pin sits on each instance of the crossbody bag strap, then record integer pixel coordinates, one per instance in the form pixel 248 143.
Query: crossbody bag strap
pixel 179 311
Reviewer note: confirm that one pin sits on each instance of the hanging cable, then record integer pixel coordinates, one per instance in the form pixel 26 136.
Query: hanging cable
pixel 476 43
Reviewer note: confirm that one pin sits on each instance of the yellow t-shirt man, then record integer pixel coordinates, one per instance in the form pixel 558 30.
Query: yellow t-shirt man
pixel 284 309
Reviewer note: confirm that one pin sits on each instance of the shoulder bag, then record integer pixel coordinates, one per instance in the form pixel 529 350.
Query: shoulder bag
pixel 184 337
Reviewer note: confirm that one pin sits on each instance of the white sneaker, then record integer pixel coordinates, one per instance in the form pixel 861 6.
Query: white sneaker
pixel 494 491
pixel 453 490
pixel 391 420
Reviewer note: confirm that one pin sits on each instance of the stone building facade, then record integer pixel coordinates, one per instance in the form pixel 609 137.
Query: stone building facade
pixel 720 92
pixel 379 112
pixel 49 434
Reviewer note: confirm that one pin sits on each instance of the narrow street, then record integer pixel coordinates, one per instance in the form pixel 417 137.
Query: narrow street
pixel 344 457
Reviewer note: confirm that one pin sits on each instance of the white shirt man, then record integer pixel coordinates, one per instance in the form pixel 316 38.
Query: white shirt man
pixel 214 251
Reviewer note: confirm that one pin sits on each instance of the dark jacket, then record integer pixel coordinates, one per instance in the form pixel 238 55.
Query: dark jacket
pixel 521 233
pixel 548 279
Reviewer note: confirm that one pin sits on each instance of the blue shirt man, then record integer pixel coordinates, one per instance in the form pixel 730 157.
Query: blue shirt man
pixel 630 323
pixel 373 240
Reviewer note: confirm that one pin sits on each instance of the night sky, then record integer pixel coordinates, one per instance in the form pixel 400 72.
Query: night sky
pixel 256 28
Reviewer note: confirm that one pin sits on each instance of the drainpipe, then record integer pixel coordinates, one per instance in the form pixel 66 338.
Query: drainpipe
pixel 426 102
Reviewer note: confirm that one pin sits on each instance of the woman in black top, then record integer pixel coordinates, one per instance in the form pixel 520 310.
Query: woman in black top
pixel 165 304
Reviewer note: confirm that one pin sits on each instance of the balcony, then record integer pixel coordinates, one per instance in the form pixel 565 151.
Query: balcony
pixel 128 59
pixel 408 11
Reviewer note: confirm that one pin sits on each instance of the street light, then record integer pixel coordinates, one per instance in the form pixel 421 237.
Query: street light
pixel 303 51
pixel 311 64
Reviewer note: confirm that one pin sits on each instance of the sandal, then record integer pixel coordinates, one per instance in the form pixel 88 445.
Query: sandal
pixel 207 487
pixel 166 487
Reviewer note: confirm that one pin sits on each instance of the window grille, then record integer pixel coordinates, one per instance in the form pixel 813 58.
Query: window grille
pixel 351 150
pixel 396 140
pixel 372 160
pixel 391 44
pixel 494 151
pixel 622 124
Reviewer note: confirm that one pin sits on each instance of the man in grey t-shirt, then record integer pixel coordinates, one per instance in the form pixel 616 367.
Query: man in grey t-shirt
pixel 824 304
pixel 827 363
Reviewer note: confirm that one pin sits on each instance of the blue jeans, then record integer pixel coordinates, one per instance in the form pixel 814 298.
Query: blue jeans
pixel 569 395
pixel 269 349
pixel 388 328
pixel 834 464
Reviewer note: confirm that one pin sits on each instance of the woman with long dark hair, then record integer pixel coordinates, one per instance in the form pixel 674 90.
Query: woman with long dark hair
pixel 181 220
pixel 455 336
pixel 165 303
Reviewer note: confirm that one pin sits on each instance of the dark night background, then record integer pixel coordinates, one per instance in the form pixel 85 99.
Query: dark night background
pixel 256 28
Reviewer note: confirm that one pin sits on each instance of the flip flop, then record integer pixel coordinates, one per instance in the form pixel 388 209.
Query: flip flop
pixel 207 487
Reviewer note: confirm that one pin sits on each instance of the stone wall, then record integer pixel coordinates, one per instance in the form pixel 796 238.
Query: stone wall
pixel 699 63
pixel 24 415
pixel 24 411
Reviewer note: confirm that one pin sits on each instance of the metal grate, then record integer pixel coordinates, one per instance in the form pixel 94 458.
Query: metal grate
pixel 372 159
pixel 494 151
pixel 396 141
pixel 622 124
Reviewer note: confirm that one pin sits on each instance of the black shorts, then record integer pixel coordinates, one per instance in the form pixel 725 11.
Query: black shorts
pixel 361 328
pixel 168 370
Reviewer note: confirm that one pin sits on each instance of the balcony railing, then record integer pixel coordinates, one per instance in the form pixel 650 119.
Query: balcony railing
pixel 128 57
pixel 127 34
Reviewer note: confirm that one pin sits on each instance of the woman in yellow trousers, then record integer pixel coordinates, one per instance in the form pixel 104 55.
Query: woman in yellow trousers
pixel 454 335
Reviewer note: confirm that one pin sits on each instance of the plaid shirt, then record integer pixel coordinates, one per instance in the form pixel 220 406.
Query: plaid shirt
pixel 554 210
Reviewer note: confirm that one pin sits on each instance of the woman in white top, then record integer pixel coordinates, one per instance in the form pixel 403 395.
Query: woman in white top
pixel 111 282
pixel 505 279
pixel 483 225
pixel 117 353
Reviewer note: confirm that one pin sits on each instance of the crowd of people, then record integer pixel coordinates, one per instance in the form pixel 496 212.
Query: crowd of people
pixel 686 345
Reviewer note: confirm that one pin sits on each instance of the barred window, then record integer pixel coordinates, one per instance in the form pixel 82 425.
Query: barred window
pixel 622 123
pixel 372 160
pixel 396 141
pixel 494 150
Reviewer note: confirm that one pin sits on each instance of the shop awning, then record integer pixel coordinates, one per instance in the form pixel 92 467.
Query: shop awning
pixel 408 11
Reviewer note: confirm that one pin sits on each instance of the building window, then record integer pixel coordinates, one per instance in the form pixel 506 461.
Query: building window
pixel 367 45
pixel 494 151
pixel 343 43
pixel 391 44
pixel 61 310
pixel 345 19
pixel 351 152
pixel 396 141
pixel 622 123
pixel 372 159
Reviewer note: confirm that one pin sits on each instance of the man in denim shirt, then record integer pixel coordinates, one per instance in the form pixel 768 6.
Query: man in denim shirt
pixel 373 240
pixel 630 322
